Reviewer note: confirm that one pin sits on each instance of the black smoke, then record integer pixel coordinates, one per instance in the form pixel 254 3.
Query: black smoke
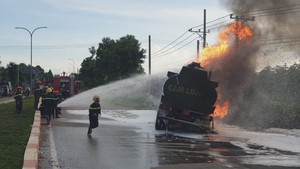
pixel 274 19
pixel 236 71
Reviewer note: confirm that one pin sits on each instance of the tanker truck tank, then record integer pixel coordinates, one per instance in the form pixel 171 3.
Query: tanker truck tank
pixel 188 99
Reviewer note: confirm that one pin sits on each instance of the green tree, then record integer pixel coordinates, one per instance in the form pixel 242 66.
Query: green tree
pixel 16 74
pixel 1 72
pixel 19 74
pixel 38 73
pixel 24 78
pixel 12 73
pixel 48 75
pixel 272 99
pixel 113 60
pixel 87 72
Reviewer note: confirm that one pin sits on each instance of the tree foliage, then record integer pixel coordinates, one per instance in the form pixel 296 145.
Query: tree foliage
pixel 113 60
pixel 19 74
pixel 272 99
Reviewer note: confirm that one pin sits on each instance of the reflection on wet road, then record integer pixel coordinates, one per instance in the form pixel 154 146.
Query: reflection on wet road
pixel 177 150
pixel 128 140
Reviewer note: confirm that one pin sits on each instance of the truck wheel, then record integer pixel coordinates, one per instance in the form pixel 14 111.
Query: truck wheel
pixel 158 124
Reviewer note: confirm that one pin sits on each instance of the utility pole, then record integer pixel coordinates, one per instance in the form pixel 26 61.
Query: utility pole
pixel 197 31
pixel 203 36
pixel 18 75
pixel 149 54
pixel 198 46
pixel 204 29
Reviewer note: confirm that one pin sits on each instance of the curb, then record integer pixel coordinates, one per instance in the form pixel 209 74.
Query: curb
pixel 31 155
pixel 7 101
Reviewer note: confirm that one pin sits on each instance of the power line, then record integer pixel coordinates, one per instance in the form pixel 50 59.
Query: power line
pixel 173 46
pixel 178 48
pixel 218 19
pixel 273 11
pixel 211 21
pixel 277 13
pixel 218 24
pixel 282 38
pixel 278 26
pixel 161 51
pixel 282 42
pixel 219 27
pixel 268 12
pixel 259 13
pixel 266 9
pixel 171 43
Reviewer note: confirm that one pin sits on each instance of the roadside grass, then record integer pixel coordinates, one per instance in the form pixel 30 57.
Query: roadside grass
pixel 14 133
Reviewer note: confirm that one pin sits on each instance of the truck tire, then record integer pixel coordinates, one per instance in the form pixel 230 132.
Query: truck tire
pixel 159 124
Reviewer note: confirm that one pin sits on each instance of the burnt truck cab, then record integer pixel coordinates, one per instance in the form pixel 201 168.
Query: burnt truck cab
pixel 188 99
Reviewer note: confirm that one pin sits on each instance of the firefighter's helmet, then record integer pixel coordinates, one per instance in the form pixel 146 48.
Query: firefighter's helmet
pixel 96 97
pixel 49 90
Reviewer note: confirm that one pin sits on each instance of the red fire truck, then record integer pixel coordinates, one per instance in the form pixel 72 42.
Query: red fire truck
pixel 66 85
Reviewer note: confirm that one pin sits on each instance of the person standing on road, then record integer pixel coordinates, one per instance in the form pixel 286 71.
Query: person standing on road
pixel 48 104
pixel 19 100
pixel 37 94
pixel 57 100
pixel 94 112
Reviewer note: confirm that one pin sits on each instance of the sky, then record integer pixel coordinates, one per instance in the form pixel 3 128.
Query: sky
pixel 73 26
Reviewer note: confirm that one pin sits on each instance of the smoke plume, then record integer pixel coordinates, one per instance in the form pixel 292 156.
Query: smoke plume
pixel 275 21
pixel 236 71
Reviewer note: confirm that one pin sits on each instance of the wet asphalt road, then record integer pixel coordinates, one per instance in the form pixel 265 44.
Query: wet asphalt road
pixel 126 140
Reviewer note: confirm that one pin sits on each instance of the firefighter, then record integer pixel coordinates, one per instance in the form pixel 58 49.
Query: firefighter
pixel 37 94
pixel 19 100
pixel 44 89
pixel 48 104
pixel 94 112
pixel 57 100
pixel 42 107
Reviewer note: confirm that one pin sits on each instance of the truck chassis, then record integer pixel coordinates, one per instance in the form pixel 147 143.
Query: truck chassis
pixel 172 118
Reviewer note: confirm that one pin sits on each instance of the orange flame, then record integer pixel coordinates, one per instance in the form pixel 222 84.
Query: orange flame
pixel 222 47
pixel 221 110
pixel 242 31
pixel 236 31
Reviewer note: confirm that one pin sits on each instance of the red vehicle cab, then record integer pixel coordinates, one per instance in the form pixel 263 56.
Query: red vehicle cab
pixel 66 85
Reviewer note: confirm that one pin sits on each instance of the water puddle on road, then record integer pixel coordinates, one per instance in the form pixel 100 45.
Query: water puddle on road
pixel 172 147
pixel 176 149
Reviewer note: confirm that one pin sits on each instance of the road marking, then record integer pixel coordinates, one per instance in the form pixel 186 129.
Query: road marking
pixel 54 159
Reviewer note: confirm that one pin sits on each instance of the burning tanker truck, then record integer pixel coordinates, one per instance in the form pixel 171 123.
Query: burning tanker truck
pixel 188 99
